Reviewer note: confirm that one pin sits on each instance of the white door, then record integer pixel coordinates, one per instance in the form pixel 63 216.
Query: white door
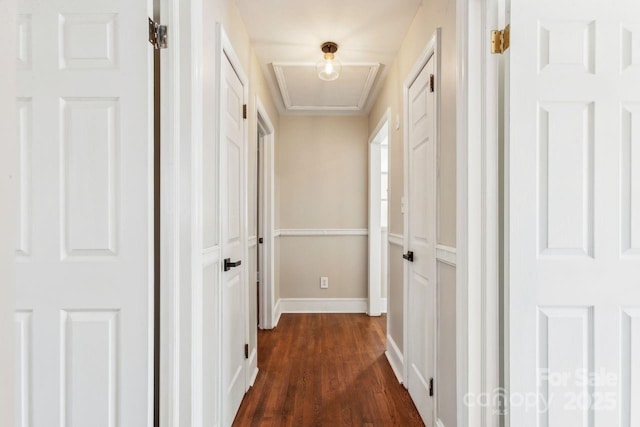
pixel 85 237
pixel 233 244
pixel 421 235
pixel 574 213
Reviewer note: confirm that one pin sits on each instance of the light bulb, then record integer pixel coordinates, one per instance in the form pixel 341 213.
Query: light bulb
pixel 329 69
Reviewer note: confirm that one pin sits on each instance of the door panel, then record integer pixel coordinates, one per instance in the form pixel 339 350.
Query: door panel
pixel 84 248
pixel 630 163
pixel 233 241
pixel 421 296
pixel 572 201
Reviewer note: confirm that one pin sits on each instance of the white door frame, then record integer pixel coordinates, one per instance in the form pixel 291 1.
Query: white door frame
pixel 478 217
pixel 267 219
pixel 170 229
pixel 431 51
pixel 8 194
pixel 182 393
pixel 374 307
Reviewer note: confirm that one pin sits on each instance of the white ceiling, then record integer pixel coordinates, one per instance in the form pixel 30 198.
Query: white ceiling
pixel 287 34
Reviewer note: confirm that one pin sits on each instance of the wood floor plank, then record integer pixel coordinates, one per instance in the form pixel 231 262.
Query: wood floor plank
pixel 326 370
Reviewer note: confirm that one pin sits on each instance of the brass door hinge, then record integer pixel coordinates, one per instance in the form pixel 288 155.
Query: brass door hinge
pixel 432 83
pixel 158 36
pixel 244 111
pixel 500 40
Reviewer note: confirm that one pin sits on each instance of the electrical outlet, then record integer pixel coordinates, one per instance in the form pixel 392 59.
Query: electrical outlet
pixel 324 283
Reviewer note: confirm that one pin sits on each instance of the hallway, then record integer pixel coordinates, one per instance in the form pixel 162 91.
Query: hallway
pixel 326 370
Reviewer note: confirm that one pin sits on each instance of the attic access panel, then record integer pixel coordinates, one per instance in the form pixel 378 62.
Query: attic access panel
pixel 302 90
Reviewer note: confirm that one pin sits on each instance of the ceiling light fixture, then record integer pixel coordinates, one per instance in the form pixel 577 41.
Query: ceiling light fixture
pixel 329 68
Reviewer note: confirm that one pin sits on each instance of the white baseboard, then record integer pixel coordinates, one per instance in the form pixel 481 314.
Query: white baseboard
pixel 383 305
pixel 439 423
pixel 395 358
pixel 277 312
pixel 253 366
pixel 253 377
pixel 323 305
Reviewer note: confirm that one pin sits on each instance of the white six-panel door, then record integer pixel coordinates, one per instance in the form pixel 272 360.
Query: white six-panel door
pixel 233 217
pixel 84 241
pixel 574 213
pixel 421 236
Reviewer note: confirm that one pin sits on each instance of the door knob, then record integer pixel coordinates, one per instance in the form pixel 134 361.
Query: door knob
pixel 408 256
pixel 228 265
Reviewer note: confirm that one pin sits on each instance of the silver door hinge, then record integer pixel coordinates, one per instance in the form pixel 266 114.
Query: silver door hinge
pixel 157 35
pixel 500 40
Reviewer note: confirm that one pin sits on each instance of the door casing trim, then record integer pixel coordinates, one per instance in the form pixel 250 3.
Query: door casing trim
pixel 478 260
pixel 374 304
pixel 267 219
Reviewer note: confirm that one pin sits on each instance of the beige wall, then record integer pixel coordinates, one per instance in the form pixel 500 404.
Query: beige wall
pixel 341 258
pixel 322 171
pixel 8 162
pixel 446 369
pixel 395 297
pixel 276 288
pixel 431 15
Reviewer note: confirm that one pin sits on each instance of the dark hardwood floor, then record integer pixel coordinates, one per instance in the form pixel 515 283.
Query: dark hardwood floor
pixel 326 370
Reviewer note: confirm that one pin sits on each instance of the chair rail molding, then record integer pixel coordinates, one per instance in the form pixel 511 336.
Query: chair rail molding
pixel 311 232
pixel 396 239
pixel 446 254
